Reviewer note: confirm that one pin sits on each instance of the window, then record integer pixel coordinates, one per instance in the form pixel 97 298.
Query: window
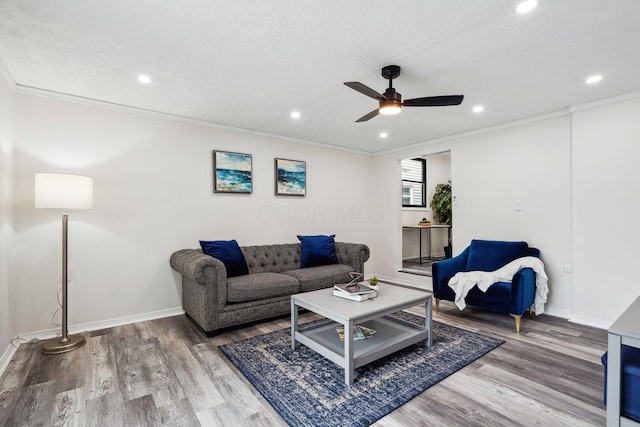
pixel 414 177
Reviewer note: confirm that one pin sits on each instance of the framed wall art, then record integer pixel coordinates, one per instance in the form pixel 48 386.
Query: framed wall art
pixel 291 177
pixel 232 172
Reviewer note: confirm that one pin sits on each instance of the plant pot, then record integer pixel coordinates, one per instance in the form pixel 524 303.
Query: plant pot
pixel 447 251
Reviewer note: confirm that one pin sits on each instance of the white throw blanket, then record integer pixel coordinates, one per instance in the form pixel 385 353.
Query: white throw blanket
pixel 463 282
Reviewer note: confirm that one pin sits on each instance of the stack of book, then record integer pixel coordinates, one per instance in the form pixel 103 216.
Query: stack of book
pixel 360 332
pixel 354 291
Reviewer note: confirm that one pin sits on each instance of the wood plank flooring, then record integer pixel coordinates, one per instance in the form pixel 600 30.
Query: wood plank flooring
pixel 167 372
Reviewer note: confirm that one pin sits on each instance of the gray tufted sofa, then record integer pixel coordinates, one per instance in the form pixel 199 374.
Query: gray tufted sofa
pixel 214 301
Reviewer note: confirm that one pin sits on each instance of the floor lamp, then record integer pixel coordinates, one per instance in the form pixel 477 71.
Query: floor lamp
pixel 63 191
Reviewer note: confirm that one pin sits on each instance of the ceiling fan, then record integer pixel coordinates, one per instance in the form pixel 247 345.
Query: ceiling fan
pixel 391 101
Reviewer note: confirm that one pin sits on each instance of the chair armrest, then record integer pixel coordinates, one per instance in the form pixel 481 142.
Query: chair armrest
pixel 523 289
pixel 444 270
pixel 199 267
pixel 352 254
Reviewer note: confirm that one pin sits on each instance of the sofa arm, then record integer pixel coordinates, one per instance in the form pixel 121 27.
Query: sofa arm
pixel 352 254
pixel 443 271
pixel 204 286
pixel 198 267
pixel 523 289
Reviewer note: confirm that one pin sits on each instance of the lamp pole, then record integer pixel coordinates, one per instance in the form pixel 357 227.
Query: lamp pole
pixel 66 342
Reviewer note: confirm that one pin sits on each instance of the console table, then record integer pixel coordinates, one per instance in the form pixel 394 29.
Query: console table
pixel 624 331
pixel 420 228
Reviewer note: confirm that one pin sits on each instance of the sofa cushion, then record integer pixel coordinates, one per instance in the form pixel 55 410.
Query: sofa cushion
pixel 229 253
pixel 321 277
pixel 497 298
pixel 489 255
pixel 259 286
pixel 317 250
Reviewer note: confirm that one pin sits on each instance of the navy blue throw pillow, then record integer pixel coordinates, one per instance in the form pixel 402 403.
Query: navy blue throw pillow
pixel 229 253
pixel 317 250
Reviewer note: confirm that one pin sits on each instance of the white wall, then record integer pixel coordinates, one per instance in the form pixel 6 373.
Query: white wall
pixel 606 208
pixel 152 196
pixel 7 327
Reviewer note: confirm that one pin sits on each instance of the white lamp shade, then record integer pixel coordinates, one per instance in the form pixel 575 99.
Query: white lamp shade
pixel 63 191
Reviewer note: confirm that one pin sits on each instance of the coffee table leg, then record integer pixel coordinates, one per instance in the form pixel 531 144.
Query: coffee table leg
pixel 294 323
pixel 348 353
pixel 427 319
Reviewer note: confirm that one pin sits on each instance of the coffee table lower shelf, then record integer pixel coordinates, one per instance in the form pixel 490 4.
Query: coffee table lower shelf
pixel 391 335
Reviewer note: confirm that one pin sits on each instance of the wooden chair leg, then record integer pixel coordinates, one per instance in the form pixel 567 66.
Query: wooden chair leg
pixel 518 318
pixel 437 304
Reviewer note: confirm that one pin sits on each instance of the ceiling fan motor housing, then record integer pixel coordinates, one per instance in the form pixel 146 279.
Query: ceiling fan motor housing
pixel 391 71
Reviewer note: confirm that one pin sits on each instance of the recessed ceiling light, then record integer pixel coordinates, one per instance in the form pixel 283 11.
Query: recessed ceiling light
pixel 527 6
pixel 593 79
pixel 478 109
pixel 144 79
pixel 383 134
pixel 295 114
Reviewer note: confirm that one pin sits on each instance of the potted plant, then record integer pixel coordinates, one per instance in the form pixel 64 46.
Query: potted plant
pixel 441 206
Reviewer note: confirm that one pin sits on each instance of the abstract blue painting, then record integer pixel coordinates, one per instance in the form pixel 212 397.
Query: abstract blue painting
pixel 232 172
pixel 291 177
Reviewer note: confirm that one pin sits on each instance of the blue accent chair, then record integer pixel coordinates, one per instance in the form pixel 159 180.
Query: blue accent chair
pixel 488 255
pixel 629 382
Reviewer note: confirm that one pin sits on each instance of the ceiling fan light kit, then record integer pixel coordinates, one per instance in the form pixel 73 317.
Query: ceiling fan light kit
pixel 389 108
pixel 391 102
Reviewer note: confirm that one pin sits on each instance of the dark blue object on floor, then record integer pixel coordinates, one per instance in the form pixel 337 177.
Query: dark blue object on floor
pixel 630 382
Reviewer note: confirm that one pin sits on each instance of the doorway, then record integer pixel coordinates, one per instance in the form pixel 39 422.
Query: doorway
pixel 421 246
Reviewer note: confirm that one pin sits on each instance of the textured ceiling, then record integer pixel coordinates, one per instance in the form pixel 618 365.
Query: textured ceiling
pixel 248 64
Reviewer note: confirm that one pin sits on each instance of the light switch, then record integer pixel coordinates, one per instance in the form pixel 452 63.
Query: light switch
pixel 517 205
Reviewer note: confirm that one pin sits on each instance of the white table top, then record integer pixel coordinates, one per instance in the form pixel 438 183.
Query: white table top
pixel 389 298
pixel 628 324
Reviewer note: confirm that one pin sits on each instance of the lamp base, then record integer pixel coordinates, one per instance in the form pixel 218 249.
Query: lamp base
pixel 56 346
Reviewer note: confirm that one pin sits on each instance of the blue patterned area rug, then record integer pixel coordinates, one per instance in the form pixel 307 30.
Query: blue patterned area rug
pixel 308 390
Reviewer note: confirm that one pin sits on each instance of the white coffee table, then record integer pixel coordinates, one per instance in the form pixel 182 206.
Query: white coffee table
pixel 392 334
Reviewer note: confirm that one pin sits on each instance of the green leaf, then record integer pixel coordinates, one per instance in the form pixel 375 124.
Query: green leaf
pixel 441 203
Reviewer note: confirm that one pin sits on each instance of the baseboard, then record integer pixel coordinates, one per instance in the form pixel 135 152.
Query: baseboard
pixel 563 314
pixel 86 327
pixel 94 326
pixel 582 320
pixel 6 358
pixel 590 321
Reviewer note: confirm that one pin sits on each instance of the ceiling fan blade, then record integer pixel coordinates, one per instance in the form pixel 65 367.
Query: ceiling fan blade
pixel 434 101
pixel 368 116
pixel 365 90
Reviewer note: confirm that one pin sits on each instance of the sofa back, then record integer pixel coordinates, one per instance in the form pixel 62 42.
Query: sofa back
pixel 285 257
pixel 490 255
pixel 272 258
